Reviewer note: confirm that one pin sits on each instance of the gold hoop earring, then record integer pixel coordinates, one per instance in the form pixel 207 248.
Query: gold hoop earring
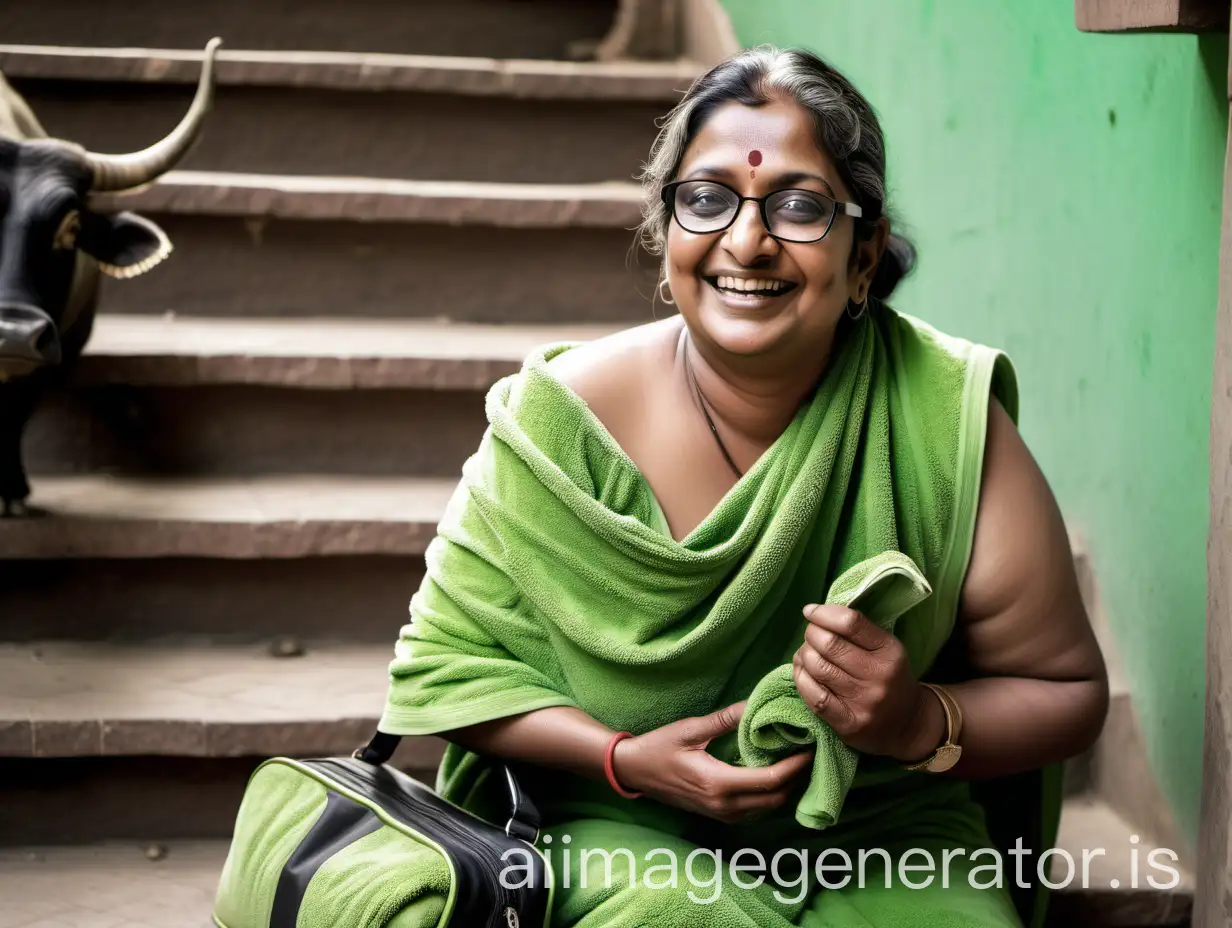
pixel 667 300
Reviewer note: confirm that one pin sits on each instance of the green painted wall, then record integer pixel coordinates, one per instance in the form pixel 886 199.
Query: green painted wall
pixel 1064 191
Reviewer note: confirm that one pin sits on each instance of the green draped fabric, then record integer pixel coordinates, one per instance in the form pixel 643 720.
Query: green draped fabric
pixel 553 581
pixel 777 723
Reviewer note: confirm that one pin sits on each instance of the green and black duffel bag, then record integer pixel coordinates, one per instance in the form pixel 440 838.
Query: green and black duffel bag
pixel 351 842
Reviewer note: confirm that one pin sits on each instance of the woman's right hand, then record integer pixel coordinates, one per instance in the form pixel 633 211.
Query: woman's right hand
pixel 670 764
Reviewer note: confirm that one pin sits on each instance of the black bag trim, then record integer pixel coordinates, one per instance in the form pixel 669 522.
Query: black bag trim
pixel 473 847
pixel 343 822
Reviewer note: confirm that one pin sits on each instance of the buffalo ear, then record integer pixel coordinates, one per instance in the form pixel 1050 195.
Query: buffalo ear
pixel 123 244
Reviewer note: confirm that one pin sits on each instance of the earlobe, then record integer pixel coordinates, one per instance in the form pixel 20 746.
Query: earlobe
pixel 124 244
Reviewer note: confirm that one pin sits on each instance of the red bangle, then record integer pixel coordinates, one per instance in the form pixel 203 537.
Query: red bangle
pixel 610 770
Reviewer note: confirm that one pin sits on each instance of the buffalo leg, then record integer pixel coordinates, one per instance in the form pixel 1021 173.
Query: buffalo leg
pixel 17 401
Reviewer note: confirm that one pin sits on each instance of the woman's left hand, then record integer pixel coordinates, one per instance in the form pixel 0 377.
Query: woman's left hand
pixel 856 677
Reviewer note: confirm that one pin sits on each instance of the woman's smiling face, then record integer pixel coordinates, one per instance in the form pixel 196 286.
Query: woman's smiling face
pixel 755 151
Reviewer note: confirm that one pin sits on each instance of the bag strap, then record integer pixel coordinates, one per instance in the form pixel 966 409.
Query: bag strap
pixel 523 815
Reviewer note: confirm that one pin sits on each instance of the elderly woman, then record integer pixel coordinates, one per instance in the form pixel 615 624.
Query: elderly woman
pixel 697 573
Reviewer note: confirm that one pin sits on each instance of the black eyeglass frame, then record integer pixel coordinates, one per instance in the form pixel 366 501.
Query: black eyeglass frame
pixel 668 195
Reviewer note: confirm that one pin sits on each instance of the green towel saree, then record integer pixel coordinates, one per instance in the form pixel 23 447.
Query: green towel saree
pixel 553 581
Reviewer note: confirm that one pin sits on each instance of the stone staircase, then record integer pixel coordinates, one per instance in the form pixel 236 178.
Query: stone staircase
pixel 261 438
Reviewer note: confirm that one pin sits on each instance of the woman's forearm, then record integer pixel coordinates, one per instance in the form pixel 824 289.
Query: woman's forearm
pixel 1009 725
pixel 1012 724
pixel 560 736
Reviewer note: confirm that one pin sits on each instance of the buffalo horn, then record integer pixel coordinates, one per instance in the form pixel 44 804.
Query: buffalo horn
pixel 124 172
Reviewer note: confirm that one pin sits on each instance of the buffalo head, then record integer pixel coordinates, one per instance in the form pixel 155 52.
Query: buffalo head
pixel 52 245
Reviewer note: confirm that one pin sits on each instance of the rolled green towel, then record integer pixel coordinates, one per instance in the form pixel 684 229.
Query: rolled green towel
pixel 777 723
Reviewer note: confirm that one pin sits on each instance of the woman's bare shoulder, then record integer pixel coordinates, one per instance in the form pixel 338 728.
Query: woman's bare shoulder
pixel 614 373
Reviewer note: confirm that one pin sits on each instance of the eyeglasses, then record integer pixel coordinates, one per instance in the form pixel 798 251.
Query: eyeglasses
pixel 791 215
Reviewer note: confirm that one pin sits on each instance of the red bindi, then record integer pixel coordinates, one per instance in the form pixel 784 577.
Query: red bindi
pixel 754 157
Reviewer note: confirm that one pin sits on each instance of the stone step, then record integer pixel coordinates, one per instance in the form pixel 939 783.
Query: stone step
pixel 191 698
pixel 1120 772
pixel 510 78
pixel 1117 768
pixel 157 738
pixel 279 245
pixel 240 559
pixel 235 430
pixel 494 28
pixel 320 354
pixel 329 113
pixel 71 800
pixel 99 886
pixel 381 200
pixel 245 601
pixel 1119 891
pixel 280 516
pixel 172 884
pixel 185 396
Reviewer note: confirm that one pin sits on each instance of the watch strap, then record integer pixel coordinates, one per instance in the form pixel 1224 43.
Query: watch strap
pixel 953 727
pixel 953 714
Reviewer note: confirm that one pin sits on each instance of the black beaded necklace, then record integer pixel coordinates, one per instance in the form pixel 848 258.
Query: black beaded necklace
pixel 702 400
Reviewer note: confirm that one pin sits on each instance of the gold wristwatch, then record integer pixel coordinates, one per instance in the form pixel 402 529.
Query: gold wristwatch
pixel 947 755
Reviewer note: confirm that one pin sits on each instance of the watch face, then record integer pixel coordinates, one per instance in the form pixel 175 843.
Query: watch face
pixel 947 757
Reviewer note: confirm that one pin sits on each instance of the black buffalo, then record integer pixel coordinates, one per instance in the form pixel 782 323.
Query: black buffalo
pixel 53 247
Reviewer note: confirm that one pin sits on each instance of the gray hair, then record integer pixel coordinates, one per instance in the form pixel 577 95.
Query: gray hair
pixel 846 127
